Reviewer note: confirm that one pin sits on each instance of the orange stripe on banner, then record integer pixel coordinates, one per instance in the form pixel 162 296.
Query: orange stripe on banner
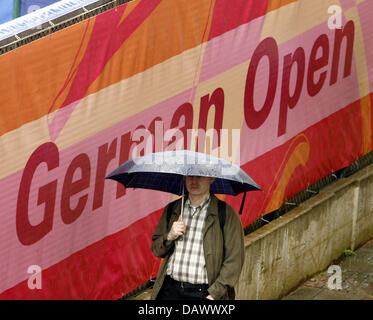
pixel 170 29
pixel 296 155
pixel 277 4
pixel 47 62
pixel 61 96
pixel 51 62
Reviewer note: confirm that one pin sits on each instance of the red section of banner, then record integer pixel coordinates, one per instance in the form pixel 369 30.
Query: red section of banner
pixel 320 150
pixel 228 15
pixel 107 269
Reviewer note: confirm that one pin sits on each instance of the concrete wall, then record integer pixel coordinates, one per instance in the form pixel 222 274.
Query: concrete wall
pixel 285 252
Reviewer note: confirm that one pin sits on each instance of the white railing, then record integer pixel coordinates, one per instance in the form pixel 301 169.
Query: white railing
pixel 44 15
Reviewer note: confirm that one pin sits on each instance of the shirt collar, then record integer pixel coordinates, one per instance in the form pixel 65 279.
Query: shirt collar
pixel 200 206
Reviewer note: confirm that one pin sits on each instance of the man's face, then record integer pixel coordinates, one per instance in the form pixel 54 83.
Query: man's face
pixel 197 186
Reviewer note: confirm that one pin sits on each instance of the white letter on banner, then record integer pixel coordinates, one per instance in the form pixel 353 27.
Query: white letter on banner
pixel 34 282
pixel 335 21
pixel 145 146
pixel 177 137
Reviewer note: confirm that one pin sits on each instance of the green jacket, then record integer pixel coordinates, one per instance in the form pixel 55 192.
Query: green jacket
pixel 222 271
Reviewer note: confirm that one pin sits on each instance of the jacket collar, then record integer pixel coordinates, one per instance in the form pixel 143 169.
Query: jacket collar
pixel 202 204
pixel 213 207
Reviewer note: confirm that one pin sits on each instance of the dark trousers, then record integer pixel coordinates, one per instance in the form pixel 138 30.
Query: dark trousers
pixel 175 290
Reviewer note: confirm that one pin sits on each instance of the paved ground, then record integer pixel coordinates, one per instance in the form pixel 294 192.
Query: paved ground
pixel 357 279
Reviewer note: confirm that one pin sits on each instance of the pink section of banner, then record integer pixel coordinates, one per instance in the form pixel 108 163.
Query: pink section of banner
pixel 94 223
pixel 238 45
pixel 231 49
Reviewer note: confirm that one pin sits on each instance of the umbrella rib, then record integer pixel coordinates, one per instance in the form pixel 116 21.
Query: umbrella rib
pixel 133 177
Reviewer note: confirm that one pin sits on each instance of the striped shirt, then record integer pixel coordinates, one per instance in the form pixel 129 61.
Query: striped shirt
pixel 187 263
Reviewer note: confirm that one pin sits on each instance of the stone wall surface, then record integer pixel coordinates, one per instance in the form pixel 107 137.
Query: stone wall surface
pixel 290 249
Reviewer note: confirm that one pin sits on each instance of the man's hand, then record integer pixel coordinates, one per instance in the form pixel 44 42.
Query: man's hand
pixel 178 229
pixel 210 297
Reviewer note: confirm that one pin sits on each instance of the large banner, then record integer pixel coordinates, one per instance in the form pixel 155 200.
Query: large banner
pixel 286 85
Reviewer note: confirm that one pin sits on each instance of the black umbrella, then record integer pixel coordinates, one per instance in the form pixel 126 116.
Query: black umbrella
pixel 165 171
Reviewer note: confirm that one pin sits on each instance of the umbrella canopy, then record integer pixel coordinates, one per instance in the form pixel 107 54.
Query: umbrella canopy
pixel 165 171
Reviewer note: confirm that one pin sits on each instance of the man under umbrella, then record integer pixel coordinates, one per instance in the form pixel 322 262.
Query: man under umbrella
pixel 201 237
pixel 202 260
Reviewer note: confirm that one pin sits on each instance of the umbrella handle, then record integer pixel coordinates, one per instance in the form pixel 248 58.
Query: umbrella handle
pixel 181 212
pixel 242 203
pixel 182 204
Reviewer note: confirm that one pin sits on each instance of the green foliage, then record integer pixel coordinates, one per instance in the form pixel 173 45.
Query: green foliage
pixel 349 252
